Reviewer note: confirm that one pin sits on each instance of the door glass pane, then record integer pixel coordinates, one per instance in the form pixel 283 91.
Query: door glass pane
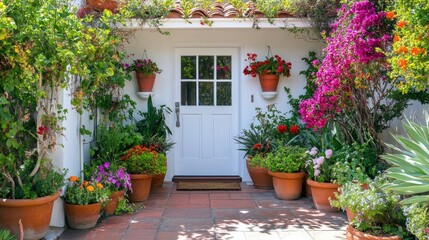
pixel 206 93
pixel 223 94
pixel 189 93
pixel 223 67
pixel 188 67
pixel 206 67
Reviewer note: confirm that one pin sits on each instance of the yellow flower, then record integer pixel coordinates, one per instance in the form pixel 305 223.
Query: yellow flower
pixel 90 188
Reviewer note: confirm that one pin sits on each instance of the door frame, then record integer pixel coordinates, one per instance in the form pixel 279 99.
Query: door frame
pixel 236 98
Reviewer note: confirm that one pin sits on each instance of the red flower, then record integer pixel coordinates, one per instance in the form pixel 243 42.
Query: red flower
pixel 282 128
pixel 401 24
pixel 42 130
pixel 390 15
pixel 294 130
pixel 257 146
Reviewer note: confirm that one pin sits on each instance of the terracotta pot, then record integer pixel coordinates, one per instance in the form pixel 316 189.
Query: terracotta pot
pixel 288 186
pixel 157 180
pixel 82 216
pixel 269 82
pixel 35 215
pixel 350 215
pixel 111 205
pixel 260 177
pixel 353 234
pixel 102 5
pixel 306 188
pixel 141 187
pixel 145 82
pixel 321 193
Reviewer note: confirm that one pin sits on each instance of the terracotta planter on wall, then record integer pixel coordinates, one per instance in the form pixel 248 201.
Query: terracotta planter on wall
pixel 141 187
pixel 288 186
pixel 145 82
pixel 82 216
pixel 35 215
pixel 353 234
pixel 260 177
pixel 269 82
pixel 321 193
pixel 111 205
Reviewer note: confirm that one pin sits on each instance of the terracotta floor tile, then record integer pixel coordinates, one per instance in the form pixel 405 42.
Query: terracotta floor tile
pixel 234 215
pixel 220 203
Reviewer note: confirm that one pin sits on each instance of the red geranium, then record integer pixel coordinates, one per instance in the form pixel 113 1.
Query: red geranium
pixel 273 65
pixel 294 129
pixel 282 128
pixel 257 146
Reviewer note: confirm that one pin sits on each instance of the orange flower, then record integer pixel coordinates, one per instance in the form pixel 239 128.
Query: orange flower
pixel 90 188
pixel 396 38
pixel 390 15
pixel 402 64
pixel 73 178
pixel 85 183
pixel 401 24
pixel 402 49
pixel 415 51
pixel 99 185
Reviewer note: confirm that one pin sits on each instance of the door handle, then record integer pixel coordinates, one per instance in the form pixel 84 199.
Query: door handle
pixel 177 111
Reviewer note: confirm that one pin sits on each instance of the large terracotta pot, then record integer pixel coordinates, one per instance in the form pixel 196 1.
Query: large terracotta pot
pixel 350 215
pixel 157 180
pixel 82 216
pixel 141 187
pixel 269 82
pixel 321 193
pixel 111 205
pixel 288 186
pixel 145 82
pixel 35 215
pixel 353 234
pixel 102 5
pixel 260 177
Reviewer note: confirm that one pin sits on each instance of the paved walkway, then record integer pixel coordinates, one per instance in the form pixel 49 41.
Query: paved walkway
pixel 239 215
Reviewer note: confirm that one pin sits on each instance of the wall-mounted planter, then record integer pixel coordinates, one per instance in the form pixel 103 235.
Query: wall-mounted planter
pixel 145 95
pixel 145 82
pixel 269 83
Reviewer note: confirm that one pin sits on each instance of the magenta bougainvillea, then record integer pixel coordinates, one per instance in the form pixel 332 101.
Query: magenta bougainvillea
pixel 352 61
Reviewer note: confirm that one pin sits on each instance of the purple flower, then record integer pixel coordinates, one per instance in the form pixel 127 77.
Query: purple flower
pixel 106 165
pixel 138 65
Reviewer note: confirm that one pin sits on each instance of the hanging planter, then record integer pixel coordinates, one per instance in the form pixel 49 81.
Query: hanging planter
pixel 101 5
pixel 145 82
pixel 269 82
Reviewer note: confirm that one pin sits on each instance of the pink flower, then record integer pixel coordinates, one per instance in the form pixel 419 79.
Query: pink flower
pixel 328 153
pixel 314 151
pixel 316 173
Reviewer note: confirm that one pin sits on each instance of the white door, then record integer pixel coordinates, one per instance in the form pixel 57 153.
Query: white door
pixel 206 91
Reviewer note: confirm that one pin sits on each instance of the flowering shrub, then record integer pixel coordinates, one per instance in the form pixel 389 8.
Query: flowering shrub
pixel 113 177
pixel 84 193
pixel 417 220
pixel 145 66
pixel 410 44
pixel 351 62
pixel 377 210
pixel 144 160
pixel 273 65
pixel 319 167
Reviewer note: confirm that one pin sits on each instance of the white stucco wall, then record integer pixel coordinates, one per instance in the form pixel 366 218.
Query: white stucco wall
pixel 160 48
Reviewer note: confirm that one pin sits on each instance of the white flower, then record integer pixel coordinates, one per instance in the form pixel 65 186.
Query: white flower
pixel 328 153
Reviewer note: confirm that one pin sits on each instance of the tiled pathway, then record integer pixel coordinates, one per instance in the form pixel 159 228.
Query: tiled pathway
pixel 239 215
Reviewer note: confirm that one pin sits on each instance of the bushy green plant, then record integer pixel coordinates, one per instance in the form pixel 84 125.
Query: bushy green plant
pixel 417 220
pixel 410 170
pixel 84 193
pixel 259 160
pixel 377 210
pixel 287 159
pixel 142 160
pixel 124 206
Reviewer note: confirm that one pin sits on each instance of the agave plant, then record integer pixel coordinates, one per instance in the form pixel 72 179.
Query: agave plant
pixel 410 170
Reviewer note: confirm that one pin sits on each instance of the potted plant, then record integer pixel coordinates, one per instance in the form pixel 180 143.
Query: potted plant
pixel 268 70
pixel 146 71
pixel 101 5
pixel 116 179
pixel 155 131
pixel 83 201
pixel 286 165
pixel 142 163
pixel 417 222
pixel 378 214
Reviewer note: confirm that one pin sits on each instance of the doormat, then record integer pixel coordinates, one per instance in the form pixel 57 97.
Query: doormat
pixel 201 186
